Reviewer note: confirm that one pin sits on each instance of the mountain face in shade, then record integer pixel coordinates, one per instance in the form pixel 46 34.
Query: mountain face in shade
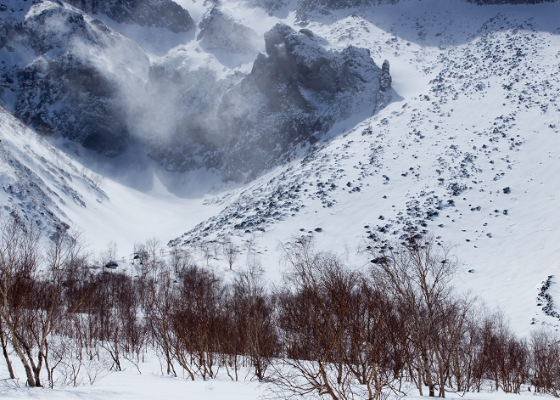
pixel 293 95
pixel 64 75
pixel 159 13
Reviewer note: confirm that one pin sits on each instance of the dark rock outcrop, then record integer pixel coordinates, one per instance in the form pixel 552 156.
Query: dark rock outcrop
pixel 386 79
pixel 71 87
pixel 293 95
pixel 159 13
pixel 220 32
pixel 69 96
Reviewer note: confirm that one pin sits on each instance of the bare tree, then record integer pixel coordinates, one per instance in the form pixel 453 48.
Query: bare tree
pixel 545 362
pixel 230 252
pixel 33 298
pixel 418 273
pixel 315 309
pixel 253 313
pixel 206 248
pixel 19 253
pixel 94 179
pixel 180 258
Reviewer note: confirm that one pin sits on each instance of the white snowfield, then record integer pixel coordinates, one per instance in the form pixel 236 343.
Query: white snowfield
pixel 152 385
pixel 468 149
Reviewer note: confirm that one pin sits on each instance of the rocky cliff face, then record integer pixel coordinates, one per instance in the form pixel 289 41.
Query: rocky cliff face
pixel 312 86
pixel 159 13
pixel 68 75
pixel 293 95
pixel 220 32
pixel 65 75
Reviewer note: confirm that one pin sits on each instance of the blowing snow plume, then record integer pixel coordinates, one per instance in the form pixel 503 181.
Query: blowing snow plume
pixel 64 73
pixel 76 78
pixel 242 125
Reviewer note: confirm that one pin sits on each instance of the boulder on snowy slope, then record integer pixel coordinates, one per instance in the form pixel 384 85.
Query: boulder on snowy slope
pixel 69 83
pixel 220 32
pixel 158 13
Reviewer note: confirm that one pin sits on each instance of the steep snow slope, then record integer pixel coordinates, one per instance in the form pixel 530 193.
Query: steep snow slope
pixel 45 185
pixel 468 152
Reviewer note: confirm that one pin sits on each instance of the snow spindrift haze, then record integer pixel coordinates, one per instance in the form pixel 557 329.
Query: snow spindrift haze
pixel 244 125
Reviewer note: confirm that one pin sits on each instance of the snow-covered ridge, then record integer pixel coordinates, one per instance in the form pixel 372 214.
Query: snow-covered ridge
pixel 38 181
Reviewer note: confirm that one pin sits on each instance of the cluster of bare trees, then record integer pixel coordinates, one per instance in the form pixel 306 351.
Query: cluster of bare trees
pixel 363 334
pixel 40 293
pixel 327 331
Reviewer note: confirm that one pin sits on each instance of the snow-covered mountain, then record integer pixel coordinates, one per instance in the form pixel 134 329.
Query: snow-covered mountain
pixel 71 75
pixel 257 121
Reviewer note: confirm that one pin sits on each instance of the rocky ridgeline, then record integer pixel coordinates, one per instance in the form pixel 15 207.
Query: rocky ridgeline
pixel 158 13
pixel 70 85
pixel 307 8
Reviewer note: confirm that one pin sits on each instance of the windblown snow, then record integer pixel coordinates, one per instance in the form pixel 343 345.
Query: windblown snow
pixel 465 145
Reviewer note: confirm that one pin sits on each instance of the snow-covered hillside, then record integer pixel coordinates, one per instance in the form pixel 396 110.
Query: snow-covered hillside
pixel 45 185
pixel 464 145
pixel 466 150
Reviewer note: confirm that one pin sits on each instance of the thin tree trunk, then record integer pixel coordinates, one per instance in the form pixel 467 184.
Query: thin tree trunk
pixel 28 371
pixel 7 357
pixel 428 374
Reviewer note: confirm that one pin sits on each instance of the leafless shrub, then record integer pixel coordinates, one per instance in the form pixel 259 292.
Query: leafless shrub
pixel 545 362
pixel 94 179
pixel 328 331
pixel 35 296
pixel 230 252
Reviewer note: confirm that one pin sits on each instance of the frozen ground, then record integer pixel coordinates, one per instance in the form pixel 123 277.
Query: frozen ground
pixel 151 384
